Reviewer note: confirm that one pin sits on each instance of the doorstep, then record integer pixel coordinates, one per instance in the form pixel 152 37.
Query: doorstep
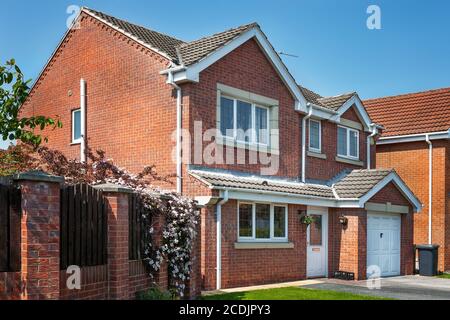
pixel 266 286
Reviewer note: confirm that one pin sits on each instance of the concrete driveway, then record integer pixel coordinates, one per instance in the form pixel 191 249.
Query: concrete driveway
pixel 404 288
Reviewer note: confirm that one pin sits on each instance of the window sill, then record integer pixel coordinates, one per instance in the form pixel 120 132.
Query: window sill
pixel 317 155
pixel 263 245
pixel 75 143
pixel 350 161
pixel 221 140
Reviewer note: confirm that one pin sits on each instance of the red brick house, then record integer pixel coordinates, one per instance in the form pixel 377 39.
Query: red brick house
pixel 259 152
pixel 416 143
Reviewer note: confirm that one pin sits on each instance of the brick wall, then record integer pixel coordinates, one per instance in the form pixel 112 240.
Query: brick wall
pixel 244 267
pixel 40 240
pixel 348 245
pixel 130 108
pixel 40 276
pixel 94 284
pixel 325 169
pixel 411 162
pixel 10 285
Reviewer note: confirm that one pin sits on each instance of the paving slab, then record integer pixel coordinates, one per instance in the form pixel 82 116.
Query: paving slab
pixel 300 283
pixel 403 288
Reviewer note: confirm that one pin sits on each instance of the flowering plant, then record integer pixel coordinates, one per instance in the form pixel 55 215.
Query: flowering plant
pixel 180 213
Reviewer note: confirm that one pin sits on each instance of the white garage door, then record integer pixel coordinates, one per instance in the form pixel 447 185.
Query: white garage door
pixel 383 244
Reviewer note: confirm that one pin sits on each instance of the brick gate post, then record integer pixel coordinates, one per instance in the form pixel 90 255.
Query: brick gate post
pixel 39 235
pixel 118 263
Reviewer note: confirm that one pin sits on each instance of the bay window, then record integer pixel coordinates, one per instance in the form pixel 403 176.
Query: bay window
pixel 244 121
pixel 262 222
pixel 348 142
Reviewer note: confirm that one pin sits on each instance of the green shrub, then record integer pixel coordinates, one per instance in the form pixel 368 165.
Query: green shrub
pixel 155 294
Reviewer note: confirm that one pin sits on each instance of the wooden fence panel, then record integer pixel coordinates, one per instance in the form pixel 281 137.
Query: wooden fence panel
pixel 83 226
pixel 136 234
pixel 4 227
pixel 9 228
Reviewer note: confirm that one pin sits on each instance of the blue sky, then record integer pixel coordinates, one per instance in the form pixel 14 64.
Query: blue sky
pixel 336 51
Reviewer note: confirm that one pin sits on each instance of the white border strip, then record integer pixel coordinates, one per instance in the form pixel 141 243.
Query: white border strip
pixel 414 137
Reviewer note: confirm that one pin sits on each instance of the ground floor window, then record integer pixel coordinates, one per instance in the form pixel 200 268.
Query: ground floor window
pixel 262 222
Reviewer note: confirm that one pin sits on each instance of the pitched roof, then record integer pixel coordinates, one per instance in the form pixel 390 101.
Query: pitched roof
pixel 310 95
pixel 353 185
pixel 163 43
pixel 194 51
pixel 332 103
pixel 177 50
pixel 254 182
pixel 412 113
pixel 359 182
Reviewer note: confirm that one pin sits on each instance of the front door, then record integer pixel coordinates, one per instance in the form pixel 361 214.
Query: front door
pixel 317 243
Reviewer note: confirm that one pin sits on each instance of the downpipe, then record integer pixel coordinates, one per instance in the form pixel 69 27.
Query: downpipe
pixel 219 239
pixel 430 188
pixel 83 99
pixel 368 153
pixel 178 131
pixel 305 118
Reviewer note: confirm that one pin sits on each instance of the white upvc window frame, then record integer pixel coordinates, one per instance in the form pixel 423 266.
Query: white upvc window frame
pixel 312 149
pixel 348 155
pixel 75 141
pixel 271 225
pixel 252 125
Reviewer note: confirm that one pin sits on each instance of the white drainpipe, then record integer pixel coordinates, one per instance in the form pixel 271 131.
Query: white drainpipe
pixel 179 124
pixel 373 134
pixel 430 187
pixel 83 120
pixel 219 239
pixel 304 141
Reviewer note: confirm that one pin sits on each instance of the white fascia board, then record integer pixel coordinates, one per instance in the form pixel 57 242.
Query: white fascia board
pixel 414 137
pixel 323 114
pixel 392 177
pixel 287 198
pixel 192 72
pixel 354 101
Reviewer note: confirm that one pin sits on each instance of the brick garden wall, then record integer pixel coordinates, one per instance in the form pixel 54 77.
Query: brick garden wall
pixel 40 276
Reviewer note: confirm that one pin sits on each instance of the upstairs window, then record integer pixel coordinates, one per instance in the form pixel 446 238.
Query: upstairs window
pixel 348 143
pixel 315 136
pixel 76 126
pixel 244 121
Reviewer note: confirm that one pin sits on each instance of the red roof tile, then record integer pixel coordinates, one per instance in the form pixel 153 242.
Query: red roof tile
pixel 412 113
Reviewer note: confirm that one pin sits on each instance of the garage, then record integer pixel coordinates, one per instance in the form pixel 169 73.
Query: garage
pixel 383 243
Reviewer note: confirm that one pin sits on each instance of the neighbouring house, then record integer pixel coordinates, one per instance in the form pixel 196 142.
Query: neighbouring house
pixel 416 144
pixel 261 154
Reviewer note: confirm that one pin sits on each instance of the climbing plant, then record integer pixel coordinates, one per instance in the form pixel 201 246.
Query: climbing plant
pixel 180 213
